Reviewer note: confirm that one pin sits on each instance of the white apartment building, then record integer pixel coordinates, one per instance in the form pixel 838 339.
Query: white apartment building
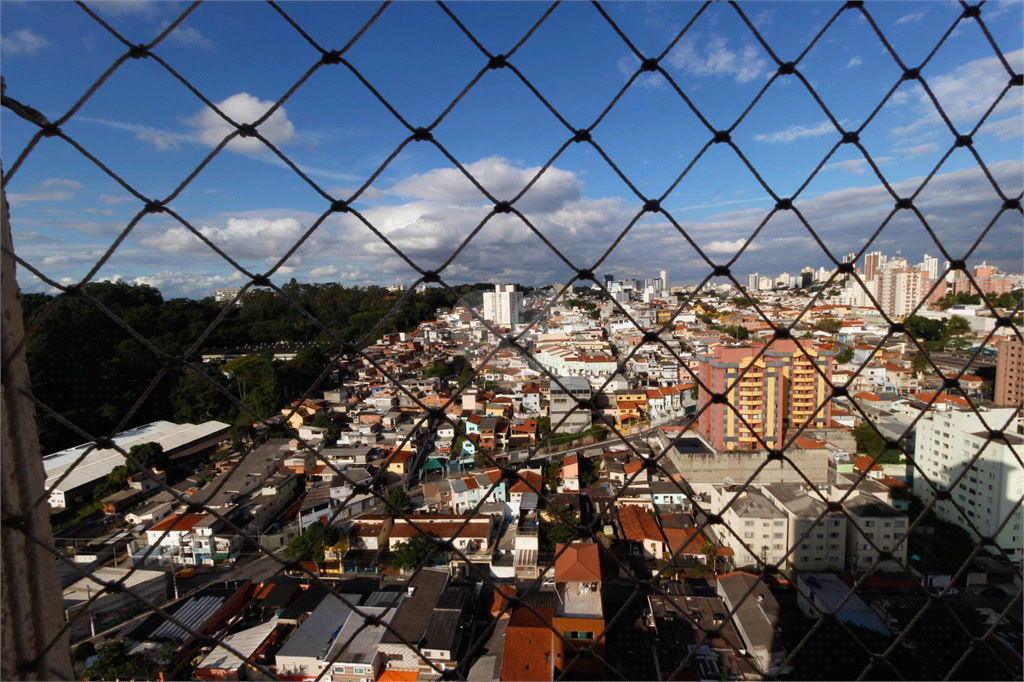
pixel 503 306
pixel 945 445
pixel 896 286
pixel 819 546
pixel 564 400
pixel 761 527
pixel 874 526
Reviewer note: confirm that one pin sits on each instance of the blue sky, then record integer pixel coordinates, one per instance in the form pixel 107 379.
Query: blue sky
pixel 149 128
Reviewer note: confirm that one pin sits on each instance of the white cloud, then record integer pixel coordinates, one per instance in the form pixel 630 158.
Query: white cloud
pixel 161 139
pixel 449 186
pixel 899 97
pixel 1006 129
pixel 728 247
pixel 794 133
pixel 914 18
pixel 240 237
pixel 55 259
pixel 23 42
pixel 854 61
pixel 717 59
pixel 432 222
pixel 858 166
pixel 629 64
pixel 243 108
pixel 919 149
pixel 53 189
pixel 966 93
pixel 325 271
pixel 188 36
pixel 195 284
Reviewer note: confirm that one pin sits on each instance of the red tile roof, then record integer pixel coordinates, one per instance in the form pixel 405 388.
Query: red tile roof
pixel 180 522
pixel 528 646
pixel 578 563
pixel 531 477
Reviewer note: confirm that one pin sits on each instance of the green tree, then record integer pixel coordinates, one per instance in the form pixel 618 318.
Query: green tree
pixel 560 531
pixel 114 661
pixel 925 328
pixel 736 331
pixel 871 443
pixel 830 325
pixel 543 426
pixel 844 356
pixel 309 546
pixel 710 552
pixel 149 455
pixel 919 363
pixel 551 475
pixel 480 459
pixel 397 502
pixel 958 326
pixel 410 554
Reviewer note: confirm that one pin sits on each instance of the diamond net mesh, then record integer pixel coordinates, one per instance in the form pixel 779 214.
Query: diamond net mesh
pixel 635 588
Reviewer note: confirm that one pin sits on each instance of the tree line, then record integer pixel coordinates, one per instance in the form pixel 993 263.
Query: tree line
pixel 91 370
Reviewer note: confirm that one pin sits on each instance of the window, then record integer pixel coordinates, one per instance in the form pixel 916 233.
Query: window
pixel 748 534
pixel 748 523
pixel 779 523
pixel 833 547
pixel 577 634
pixel 340 669
pixel 778 536
pixel 869 524
pixel 821 535
pixel 776 546
pixel 887 524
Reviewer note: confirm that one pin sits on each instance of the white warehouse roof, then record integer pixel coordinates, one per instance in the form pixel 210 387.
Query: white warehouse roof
pixel 100 462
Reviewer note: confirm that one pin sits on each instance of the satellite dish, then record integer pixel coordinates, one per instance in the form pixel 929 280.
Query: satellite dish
pixel 728 482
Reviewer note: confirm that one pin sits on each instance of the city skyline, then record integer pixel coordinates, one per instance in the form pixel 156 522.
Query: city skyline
pixel 65 212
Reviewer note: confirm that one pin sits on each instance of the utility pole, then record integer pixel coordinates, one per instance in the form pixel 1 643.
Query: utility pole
pixel 92 626
pixel 174 579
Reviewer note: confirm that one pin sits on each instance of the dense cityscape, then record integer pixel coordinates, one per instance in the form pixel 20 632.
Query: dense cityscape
pixel 403 341
pixel 560 469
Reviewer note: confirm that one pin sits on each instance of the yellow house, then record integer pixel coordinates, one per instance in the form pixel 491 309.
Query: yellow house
pixel 398 462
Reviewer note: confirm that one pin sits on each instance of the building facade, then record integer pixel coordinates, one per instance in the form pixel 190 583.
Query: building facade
pixel 778 391
pixel 503 306
pixel 1009 387
pixel 947 443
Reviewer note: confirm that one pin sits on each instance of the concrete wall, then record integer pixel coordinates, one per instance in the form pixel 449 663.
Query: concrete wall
pixel 713 469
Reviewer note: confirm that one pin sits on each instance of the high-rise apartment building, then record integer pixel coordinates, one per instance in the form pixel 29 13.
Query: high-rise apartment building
pixel 780 391
pixel 897 287
pixel 752 281
pixel 930 267
pixel 991 486
pixel 1009 372
pixel 872 263
pixel 504 306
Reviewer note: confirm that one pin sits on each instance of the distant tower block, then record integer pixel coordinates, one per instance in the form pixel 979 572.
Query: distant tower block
pixel 664 279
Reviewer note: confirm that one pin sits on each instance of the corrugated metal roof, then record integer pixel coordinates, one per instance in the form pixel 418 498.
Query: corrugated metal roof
pixel 245 642
pixel 100 462
pixel 364 642
pixel 194 613
pixel 317 633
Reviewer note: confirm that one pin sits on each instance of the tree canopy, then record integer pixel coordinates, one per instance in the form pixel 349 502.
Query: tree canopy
pixel 89 369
